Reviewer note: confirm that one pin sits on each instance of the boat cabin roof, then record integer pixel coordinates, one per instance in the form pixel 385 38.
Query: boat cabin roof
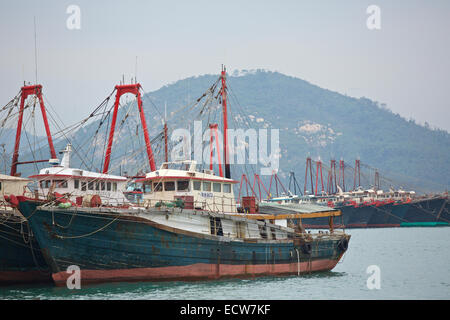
pixel 71 173
pixel 183 170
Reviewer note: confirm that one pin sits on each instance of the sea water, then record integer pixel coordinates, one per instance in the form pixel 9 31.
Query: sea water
pixel 388 263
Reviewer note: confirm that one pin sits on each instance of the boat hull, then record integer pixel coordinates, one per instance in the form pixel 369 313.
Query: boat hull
pixel 21 260
pixel 430 212
pixel 112 247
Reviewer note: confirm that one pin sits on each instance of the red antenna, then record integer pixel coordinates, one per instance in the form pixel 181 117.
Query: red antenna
pixel 225 122
pixel 308 166
pixel 25 92
pixel 357 172
pixel 213 131
pixel 120 90
pixel 341 173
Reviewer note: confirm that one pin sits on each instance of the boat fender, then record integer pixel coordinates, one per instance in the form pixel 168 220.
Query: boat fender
pixel 13 201
pixel 343 244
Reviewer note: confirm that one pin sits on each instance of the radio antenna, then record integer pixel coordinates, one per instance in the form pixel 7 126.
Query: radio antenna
pixel 35 49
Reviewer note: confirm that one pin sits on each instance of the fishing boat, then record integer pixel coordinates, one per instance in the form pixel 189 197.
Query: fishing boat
pixel 367 208
pixel 188 227
pixel 180 233
pixel 21 260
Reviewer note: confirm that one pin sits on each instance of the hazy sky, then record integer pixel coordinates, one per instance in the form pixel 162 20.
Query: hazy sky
pixel 405 64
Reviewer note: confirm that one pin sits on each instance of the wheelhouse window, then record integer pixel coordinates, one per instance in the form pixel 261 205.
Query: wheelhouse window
pixel 157 186
pixel 169 186
pixel 76 184
pixel 83 185
pixel 147 187
pixel 183 185
pixel 102 185
pixel 217 187
pixel 197 185
pixel 206 186
pixel 227 188
pixel 91 185
pixel 114 186
pixel 97 186
pixel 108 186
pixel 47 183
pixel 60 183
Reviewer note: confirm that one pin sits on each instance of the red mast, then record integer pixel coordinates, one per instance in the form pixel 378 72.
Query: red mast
pixel 331 182
pixel 225 123
pixel 120 90
pixel 26 91
pixel 319 168
pixel 308 166
pixel 341 173
pixel 357 172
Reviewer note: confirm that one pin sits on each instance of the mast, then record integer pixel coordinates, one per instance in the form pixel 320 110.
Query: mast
pixel 341 172
pixel 120 90
pixel 357 173
pixel 166 156
pixel 308 167
pixel 225 123
pixel 26 91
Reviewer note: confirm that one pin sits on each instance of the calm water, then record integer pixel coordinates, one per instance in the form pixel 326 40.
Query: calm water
pixel 414 264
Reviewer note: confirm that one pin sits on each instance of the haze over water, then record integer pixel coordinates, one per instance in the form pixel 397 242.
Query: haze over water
pixel 414 264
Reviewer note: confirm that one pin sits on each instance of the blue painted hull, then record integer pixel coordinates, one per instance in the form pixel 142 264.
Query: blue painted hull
pixel 21 260
pixel 111 247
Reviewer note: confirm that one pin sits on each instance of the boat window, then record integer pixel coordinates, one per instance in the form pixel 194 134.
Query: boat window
pixel 60 183
pixel 147 187
pixel 108 186
pixel 177 166
pixel 206 186
pixel 197 185
pixel 114 186
pixel 97 186
pixel 183 185
pixel 157 186
pixel 216 226
pixel 47 183
pixel 227 188
pixel 76 184
pixel 91 185
pixel 42 184
pixel 169 186
pixel 83 185
pixel 216 187
pixel 102 185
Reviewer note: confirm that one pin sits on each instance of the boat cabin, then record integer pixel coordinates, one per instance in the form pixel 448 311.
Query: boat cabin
pixel 79 183
pixel 12 185
pixel 198 189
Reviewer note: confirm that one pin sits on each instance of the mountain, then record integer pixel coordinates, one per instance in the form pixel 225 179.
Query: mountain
pixel 312 121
